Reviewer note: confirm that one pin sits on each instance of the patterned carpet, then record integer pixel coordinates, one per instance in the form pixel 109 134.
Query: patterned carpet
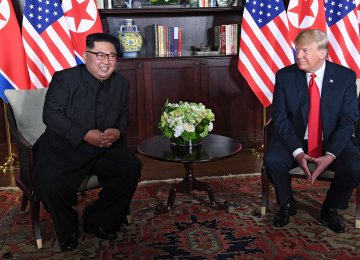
pixel 193 230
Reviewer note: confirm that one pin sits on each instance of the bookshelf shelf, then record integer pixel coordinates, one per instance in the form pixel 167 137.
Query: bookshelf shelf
pixel 155 11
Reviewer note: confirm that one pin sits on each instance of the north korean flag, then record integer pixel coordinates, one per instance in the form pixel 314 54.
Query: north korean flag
pixel 304 15
pixel 13 70
pixel 82 18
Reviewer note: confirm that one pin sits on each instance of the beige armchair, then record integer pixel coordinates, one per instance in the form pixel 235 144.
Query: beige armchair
pixel 24 113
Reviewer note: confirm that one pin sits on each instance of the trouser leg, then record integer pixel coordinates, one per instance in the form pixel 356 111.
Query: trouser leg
pixel 58 198
pixel 347 177
pixel 278 161
pixel 119 181
pixel 56 180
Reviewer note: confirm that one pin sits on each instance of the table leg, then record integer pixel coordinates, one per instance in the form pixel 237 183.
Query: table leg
pixel 189 183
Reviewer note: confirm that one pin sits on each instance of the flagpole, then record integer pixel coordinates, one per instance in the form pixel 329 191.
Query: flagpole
pixel 259 152
pixel 10 164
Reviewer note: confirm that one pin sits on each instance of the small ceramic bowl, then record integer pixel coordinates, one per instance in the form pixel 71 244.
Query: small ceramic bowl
pixel 224 3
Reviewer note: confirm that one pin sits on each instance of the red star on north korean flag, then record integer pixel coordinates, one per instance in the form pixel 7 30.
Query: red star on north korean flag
pixel 79 16
pixel 1 16
pixel 303 9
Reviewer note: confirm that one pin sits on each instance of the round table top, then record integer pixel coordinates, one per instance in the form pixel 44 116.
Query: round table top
pixel 212 148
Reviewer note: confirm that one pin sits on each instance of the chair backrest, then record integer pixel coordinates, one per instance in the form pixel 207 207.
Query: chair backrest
pixel 27 106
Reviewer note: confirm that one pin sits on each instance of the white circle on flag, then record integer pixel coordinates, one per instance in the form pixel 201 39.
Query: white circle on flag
pixel 4 13
pixel 85 24
pixel 307 20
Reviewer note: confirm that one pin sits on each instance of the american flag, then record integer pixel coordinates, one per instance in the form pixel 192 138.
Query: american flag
pixel 358 11
pixel 343 33
pixel 46 40
pixel 13 70
pixel 265 46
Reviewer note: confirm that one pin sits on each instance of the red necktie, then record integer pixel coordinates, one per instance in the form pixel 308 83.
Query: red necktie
pixel 314 123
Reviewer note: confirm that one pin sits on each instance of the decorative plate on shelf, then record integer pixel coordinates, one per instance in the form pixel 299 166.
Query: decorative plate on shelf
pixel 207 52
pixel 164 2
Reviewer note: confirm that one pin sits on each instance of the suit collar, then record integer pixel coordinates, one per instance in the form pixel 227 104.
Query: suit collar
pixel 327 93
pixel 303 92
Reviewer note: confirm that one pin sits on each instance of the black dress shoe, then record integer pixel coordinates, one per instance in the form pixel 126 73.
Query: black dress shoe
pixel 71 244
pixel 282 216
pixel 68 246
pixel 99 232
pixel 331 219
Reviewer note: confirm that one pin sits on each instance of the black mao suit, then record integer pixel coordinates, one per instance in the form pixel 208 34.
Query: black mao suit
pixel 75 103
pixel 339 113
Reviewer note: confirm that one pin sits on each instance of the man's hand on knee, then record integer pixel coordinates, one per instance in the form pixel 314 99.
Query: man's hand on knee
pixel 322 163
pixel 303 159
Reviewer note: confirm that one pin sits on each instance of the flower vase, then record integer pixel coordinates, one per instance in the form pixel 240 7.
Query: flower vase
pixel 130 39
pixel 179 141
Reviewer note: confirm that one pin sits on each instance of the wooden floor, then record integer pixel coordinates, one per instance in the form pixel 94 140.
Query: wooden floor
pixel 244 162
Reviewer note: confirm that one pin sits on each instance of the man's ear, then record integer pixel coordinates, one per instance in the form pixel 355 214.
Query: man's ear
pixel 84 56
pixel 324 53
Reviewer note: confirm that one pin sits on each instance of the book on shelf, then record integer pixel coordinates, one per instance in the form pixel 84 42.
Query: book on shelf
pixel 151 39
pixel 176 41
pixel 163 40
pixel 166 39
pixel 225 38
pixel 180 32
pixel 171 40
pixel 100 4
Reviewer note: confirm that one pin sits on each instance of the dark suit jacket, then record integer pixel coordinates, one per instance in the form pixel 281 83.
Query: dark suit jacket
pixel 70 112
pixel 339 111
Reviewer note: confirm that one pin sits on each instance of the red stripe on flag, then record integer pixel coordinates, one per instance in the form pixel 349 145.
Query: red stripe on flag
pixel 259 67
pixel 263 52
pixel 38 73
pixel 341 41
pixel 55 48
pixel 253 85
pixel 39 54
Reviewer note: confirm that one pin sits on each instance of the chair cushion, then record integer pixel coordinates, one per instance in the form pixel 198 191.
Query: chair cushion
pixel 325 174
pixel 90 182
pixel 28 106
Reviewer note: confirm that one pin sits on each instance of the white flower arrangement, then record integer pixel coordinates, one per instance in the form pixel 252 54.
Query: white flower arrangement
pixel 184 122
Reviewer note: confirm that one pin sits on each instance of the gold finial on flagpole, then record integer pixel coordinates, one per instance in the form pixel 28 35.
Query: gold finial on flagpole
pixel 11 163
pixel 260 150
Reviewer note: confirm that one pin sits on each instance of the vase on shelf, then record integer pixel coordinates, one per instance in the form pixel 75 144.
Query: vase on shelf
pixel 130 39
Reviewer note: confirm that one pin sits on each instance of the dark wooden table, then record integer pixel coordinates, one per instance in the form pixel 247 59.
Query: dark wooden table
pixel 212 148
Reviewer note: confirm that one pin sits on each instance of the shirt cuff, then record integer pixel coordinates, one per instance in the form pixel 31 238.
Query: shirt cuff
pixel 331 154
pixel 297 151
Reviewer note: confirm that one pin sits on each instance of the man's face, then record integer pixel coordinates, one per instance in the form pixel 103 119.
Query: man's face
pixel 100 69
pixel 308 57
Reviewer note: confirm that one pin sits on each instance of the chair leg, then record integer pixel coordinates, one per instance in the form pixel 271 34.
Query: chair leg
pixel 35 219
pixel 129 219
pixel 24 202
pixel 264 190
pixel 357 214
